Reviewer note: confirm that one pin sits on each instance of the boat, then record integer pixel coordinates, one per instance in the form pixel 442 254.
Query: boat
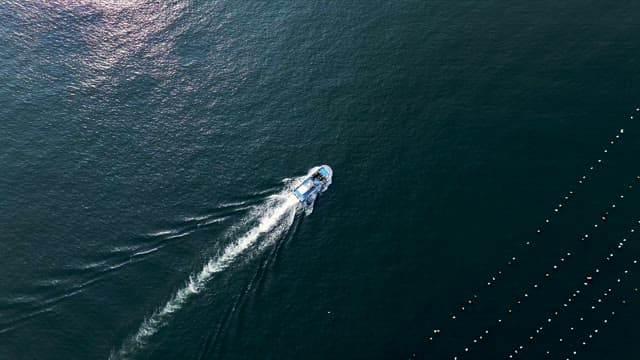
pixel 317 180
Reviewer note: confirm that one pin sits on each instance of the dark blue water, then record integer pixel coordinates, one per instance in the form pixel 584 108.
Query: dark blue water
pixel 145 147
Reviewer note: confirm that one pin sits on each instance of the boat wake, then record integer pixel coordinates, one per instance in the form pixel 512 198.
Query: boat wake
pixel 267 223
pixel 43 295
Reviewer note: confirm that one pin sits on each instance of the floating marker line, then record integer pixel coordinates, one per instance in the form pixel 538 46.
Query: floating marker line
pixel 518 350
pixel 591 169
pixel 562 204
pixel 596 331
pixel 561 260
pixel 596 305
pixel 533 288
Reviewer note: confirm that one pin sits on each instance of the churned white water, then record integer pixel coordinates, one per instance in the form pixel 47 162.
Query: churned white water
pixel 272 220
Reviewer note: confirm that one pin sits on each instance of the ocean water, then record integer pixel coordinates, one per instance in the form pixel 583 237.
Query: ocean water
pixel 147 150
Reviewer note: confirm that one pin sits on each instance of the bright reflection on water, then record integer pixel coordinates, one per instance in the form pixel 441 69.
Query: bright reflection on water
pixel 126 30
pixel 133 36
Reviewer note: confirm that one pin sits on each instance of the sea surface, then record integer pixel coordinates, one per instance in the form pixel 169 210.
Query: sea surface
pixel 148 149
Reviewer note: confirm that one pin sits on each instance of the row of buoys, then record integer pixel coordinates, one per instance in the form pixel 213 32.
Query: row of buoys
pixel 562 204
pixel 606 294
pixel 561 260
pixel 581 180
pixel 594 332
pixel 556 210
pixel 556 313
pixel 588 278
pixel 514 259
pixel 571 299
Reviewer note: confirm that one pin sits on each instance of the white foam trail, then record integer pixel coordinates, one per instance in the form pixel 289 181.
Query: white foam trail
pixel 145 252
pixel 213 221
pixel 162 233
pixel 175 236
pixel 196 218
pixel 273 219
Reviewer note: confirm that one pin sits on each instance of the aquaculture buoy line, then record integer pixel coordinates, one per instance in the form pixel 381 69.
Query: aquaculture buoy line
pixel 562 260
pixel 591 170
pixel 531 290
pixel 600 300
pixel 562 204
pixel 589 336
pixel 583 179
pixel 589 278
pixel 601 318
pixel 589 322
